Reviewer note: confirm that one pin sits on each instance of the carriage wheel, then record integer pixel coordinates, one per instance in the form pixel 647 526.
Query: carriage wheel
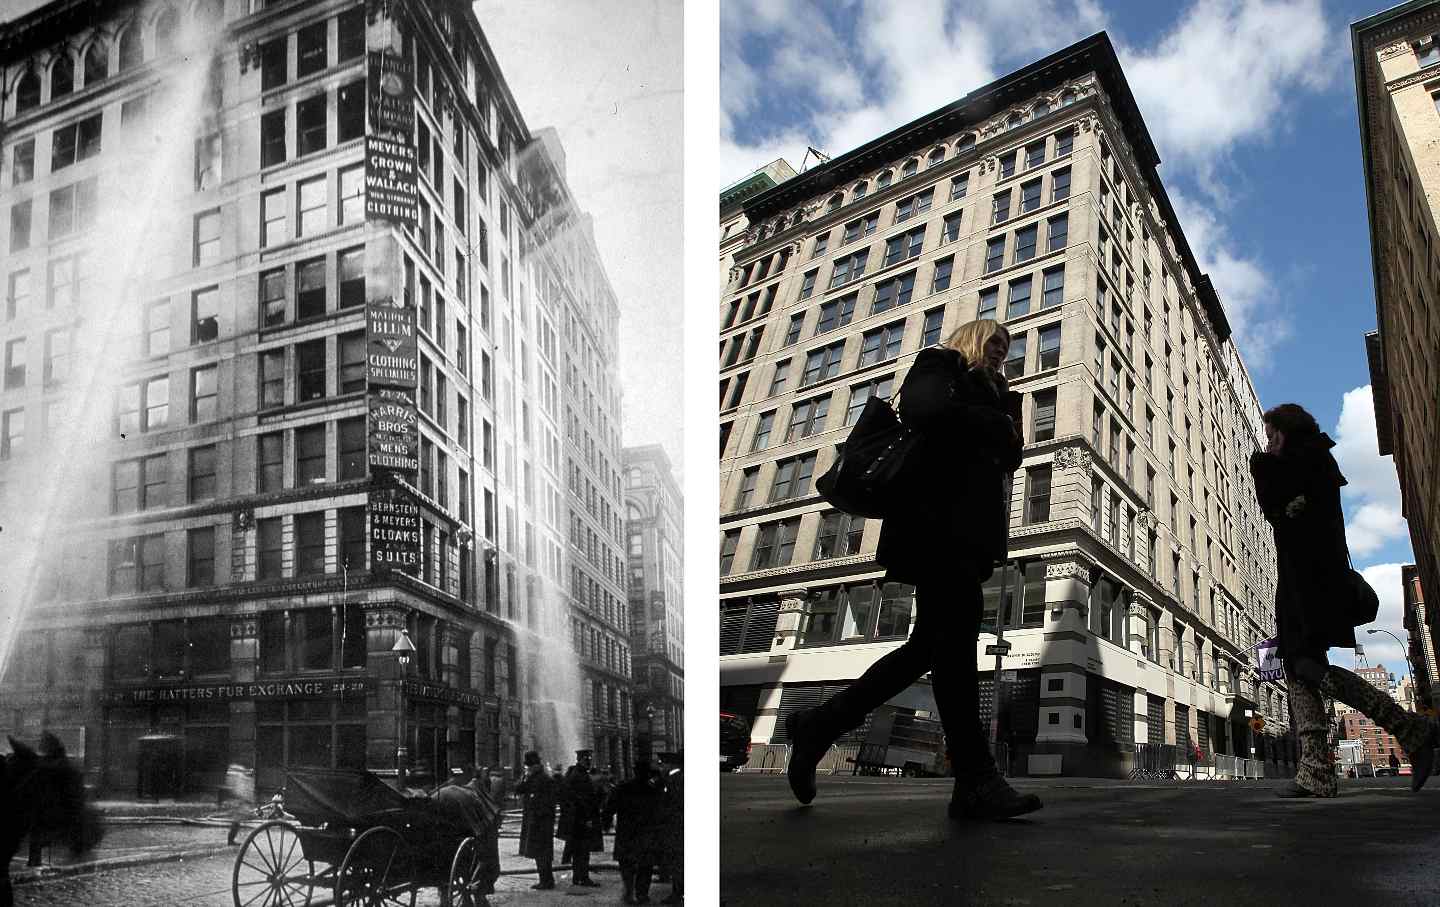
pixel 369 874
pixel 466 888
pixel 271 869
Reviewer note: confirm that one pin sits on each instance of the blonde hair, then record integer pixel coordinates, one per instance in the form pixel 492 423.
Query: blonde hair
pixel 969 339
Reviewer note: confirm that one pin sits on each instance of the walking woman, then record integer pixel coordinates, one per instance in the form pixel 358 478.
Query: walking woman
pixel 947 532
pixel 1298 484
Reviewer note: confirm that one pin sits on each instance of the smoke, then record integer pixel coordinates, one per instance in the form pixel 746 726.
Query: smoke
pixel 58 487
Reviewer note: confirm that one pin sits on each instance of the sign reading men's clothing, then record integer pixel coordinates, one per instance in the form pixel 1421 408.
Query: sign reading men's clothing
pixel 394 438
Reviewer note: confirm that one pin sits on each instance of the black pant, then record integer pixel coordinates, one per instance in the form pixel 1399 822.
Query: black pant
pixel 547 874
pixel 947 623
pixel 636 878
pixel 580 862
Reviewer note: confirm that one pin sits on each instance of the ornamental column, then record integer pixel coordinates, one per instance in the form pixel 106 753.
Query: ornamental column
pixel 1067 642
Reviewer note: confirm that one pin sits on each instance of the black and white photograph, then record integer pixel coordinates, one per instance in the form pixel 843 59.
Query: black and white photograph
pixel 341 452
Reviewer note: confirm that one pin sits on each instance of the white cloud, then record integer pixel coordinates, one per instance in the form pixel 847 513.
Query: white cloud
pixel 1372 499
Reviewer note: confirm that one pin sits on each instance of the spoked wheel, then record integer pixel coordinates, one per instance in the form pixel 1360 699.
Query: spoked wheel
pixel 370 875
pixel 466 887
pixel 271 869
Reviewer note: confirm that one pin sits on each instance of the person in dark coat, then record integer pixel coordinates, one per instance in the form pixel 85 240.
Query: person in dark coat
pixel 1297 483
pixel 947 531
pixel 567 812
pixel 672 825
pixel 538 793
pixel 582 834
pixel 634 807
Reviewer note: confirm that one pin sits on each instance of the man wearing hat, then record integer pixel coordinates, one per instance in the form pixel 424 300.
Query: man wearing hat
pixel 672 825
pixel 635 807
pixel 537 824
pixel 582 833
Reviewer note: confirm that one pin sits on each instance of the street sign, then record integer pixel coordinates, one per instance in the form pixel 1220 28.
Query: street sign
pixel 1007 677
pixel 1000 648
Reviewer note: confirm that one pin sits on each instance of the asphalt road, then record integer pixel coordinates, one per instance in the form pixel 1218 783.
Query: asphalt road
pixel 872 841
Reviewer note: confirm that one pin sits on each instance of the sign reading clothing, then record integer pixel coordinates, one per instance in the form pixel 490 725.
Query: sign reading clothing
pixel 394 531
pixel 391 355
pixel 390 192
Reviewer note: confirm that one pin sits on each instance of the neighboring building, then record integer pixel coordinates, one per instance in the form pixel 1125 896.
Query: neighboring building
pixel 1422 643
pixel 1397 63
pixel 248 550
pixel 654 524
pixel 1142 568
pixel 733 224
pixel 1376 744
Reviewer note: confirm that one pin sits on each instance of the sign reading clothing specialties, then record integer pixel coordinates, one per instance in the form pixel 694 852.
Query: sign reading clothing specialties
pixel 394 531
pixel 393 443
pixel 390 192
pixel 391 354
pixel 391 101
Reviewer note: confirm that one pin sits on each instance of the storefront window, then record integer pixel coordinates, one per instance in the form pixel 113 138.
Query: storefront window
pixel 818 625
pixel 1002 585
pixel 209 646
pixel 316 637
pixel 353 645
pixel 896 603
pixel 272 641
pixel 859 607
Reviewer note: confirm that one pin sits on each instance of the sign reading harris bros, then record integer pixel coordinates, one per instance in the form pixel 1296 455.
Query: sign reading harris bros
pixel 394 531
pixel 394 438
pixel 323 688
pixel 390 192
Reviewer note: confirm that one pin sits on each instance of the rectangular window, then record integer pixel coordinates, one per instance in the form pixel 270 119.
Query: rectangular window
pixel 310 125
pixel 204 393
pixel 1034 154
pixel 860 394
pixel 1000 207
pixel 272 218
pixel 72 208
pixel 836 313
pixel 778 379
pixel 23 163
pixel 201 474
pixel 822 364
pixel 58 354
pixel 311 206
pixel 849 268
pixel 1060 185
pixel 204 315
pixel 351 447
pixel 272 378
pixel 861 227
pixel 269 548
pixel 807 285
pixel 154 481
pixel 1019 302
pixel 1050 347
pixel 807 417
pixel 1007 165
pixel 994 254
pixel 272 298
pixel 352 194
pixel 1029 196
pixel 350 531
pixel 350 264
pixel 1042 426
pixel 350 26
pixel 1025 243
pixel 1059 232
pixel 12 433
pixel 72 143
pixel 270 462
pixel 351 378
pixel 959 186
pixel 881 344
pixel 272 138
pixel 273 59
pixel 20 226
pixel 207 237
pixel 1064 142
pixel 728 543
pixel 310 558
pixel 207 162
pixel 310 288
pixel 930 334
pixel 762 431
pixel 200 557
pixel 893 293
pixel 989 302
pixel 792 477
pixel 17 296
pixel 1037 494
pixel 917 204
pixel 1054 288
pixel 310 49
pixel 310 370
pixel 309 455
pixel 1015 357
pixel 941 278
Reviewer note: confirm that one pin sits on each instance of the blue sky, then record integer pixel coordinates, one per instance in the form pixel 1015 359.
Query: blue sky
pixel 1252 108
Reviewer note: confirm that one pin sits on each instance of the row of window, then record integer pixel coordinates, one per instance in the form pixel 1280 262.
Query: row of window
pixel 72 209
pixel 312 133
pixel 69 144
pixel 837 535
pixel 312 49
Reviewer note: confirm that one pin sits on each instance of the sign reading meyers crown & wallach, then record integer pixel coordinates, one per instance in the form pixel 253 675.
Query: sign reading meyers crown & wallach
pixel 390 190
pixel 310 688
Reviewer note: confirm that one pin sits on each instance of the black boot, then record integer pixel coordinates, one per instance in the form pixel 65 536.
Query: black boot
pixel 989 797
pixel 808 744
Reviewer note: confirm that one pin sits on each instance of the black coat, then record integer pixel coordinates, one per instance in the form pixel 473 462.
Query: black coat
pixel 537 823
pixel 636 806
pixel 1312 559
pixel 582 803
pixel 952 491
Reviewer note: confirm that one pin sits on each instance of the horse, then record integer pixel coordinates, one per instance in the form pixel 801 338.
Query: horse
pixel 42 797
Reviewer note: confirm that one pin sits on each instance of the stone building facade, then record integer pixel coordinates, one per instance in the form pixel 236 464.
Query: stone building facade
pixel 1397 84
pixel 310 401
pixel 654 523
pixel 1141 571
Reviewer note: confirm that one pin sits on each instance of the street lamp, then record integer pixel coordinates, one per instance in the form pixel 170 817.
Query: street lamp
pixel 1403 649
pixel 402 650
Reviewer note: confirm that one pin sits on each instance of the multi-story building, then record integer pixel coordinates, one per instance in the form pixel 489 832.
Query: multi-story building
pixel 305 318
pixel 654 524
pixel 1377 745
pixel 1422 643
pixel 1397 60
pixel 1141 571
pixel 732 211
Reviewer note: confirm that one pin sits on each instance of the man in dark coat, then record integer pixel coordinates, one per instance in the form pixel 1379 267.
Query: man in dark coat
pixel 537 824
pixel 1297 484
pixel 582 835
pixel 672 825
pixel 635 808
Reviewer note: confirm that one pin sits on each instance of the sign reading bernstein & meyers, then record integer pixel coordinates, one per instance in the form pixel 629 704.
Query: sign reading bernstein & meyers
pixel 392 106
pixel 391 356
pixel 326 687
pixel 394 442
pixel 394 531
pixel 390 191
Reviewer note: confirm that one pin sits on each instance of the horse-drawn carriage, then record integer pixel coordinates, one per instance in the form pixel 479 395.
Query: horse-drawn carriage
pixel 369 843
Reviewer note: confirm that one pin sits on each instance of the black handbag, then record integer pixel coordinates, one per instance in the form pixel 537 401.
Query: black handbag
pixel 1364 602
pixel 862 479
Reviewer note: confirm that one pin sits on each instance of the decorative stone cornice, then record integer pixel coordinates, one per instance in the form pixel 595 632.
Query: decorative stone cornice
pixel 1074 457
pixel 1394 49
pixel 245 626
pixel 385 616
pixel 1068 569
pixel 792 600
pixel 1425 75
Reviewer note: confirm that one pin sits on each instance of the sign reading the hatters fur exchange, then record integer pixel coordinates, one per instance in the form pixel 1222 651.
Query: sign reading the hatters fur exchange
pixel 321 687
pixel 391 355
pixel 390 192
pixel 394 431
pixel 394 531
pixel 391 102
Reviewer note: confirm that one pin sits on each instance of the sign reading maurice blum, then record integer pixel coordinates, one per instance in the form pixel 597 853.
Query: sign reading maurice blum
pixel 331 688
pixel 394 531
pixel 390 190
pixel 392 357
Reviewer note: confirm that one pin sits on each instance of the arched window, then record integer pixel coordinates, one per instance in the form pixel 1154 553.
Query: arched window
pixel 909 169
pixel 859 191
pixel 165 26
pixel 936 156
pixel 836 201
pixel 1039 110
pixel 132 53
pixel 97 62
pixel 966 143
pixel 883 179
pixel 62 77
pixel 27 92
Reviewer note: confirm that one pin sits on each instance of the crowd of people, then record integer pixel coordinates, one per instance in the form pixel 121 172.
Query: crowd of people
pixel 580 804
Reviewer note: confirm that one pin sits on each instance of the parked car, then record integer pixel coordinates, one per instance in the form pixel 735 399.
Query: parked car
pixel 1405 768
pixel 1384 771
pixel 734 741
